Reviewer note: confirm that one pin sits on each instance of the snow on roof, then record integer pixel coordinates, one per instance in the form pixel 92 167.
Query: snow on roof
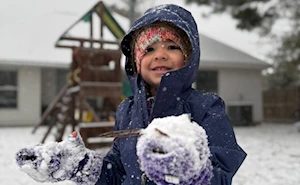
pixel 30 28
pixel 215 53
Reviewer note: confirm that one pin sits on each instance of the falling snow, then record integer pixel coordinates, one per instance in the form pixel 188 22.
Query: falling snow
pixel 273 155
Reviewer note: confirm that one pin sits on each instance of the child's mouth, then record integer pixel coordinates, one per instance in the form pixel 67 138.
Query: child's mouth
pixel 161 69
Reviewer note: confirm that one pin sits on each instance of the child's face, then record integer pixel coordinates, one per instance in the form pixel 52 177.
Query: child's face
pixel 160 57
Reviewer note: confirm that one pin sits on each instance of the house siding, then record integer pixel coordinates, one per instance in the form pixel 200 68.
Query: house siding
pixel 242 87
pixel 48 85
pixel 28 110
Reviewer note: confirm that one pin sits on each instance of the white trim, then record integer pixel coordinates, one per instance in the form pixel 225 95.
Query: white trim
pixel 55 64
pixel 232 64
pixel 96 124
pixel 239 103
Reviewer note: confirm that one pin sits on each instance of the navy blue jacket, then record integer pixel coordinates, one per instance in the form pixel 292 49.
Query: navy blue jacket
pixel 175 96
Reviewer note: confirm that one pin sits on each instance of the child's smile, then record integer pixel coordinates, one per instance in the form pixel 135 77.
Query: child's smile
pixel 160 58
pixel 161 69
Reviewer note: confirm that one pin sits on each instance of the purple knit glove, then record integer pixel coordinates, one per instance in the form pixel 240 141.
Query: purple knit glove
pixel 66 160
pixel 174 150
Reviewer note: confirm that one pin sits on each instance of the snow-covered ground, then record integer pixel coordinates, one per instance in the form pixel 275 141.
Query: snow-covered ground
pixel 273 155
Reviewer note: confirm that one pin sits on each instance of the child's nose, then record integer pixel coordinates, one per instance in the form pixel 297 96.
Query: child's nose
pixel 161 54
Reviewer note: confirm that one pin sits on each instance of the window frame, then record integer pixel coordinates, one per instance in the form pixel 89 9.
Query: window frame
pixel 211 88
pixel 7 86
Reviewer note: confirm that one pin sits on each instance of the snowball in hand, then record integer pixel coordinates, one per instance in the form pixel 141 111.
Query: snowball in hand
pixel 174 150
pixel 66 160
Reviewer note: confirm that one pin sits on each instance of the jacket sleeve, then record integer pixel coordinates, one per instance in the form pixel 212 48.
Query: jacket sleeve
pixel 112 172
pixel 226 154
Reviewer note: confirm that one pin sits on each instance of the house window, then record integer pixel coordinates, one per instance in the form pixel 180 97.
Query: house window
pixel 8 89
pixel 61 79
pixel 207 81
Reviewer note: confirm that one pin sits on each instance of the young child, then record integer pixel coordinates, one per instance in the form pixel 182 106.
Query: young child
pixel 186 136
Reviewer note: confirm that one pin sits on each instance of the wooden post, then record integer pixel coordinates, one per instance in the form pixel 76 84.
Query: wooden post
pixel 102 22
pixel 91 29
pixel 81 102
pixel 71 111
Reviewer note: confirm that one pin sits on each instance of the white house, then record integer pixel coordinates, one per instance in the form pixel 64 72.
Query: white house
pixel 235 76
pixel 32 70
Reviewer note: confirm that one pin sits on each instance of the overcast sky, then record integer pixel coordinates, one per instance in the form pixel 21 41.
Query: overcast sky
pixel 220 27
pixel 37 18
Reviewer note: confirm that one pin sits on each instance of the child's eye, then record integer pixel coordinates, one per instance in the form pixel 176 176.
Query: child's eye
pixel 174 47
pixel 149 49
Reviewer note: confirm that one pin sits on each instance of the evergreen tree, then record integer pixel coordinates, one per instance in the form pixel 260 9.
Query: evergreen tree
pixel 263 15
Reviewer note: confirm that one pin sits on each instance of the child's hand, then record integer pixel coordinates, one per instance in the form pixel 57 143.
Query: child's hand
pixel 37 163
pixel 66 160
pixel 174 150
pixel 74 134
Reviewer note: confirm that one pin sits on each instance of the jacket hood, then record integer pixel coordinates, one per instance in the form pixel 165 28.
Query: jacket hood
pixel 173 84
pixel 182 19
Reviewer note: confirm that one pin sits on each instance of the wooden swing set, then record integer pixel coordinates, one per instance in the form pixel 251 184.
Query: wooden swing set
pixel 95 72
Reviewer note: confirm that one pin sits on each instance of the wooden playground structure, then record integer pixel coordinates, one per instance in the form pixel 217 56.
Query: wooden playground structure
pixel 95 72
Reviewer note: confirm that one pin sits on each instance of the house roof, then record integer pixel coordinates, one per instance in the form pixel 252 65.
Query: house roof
pixel 32 27
pixel 217 54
